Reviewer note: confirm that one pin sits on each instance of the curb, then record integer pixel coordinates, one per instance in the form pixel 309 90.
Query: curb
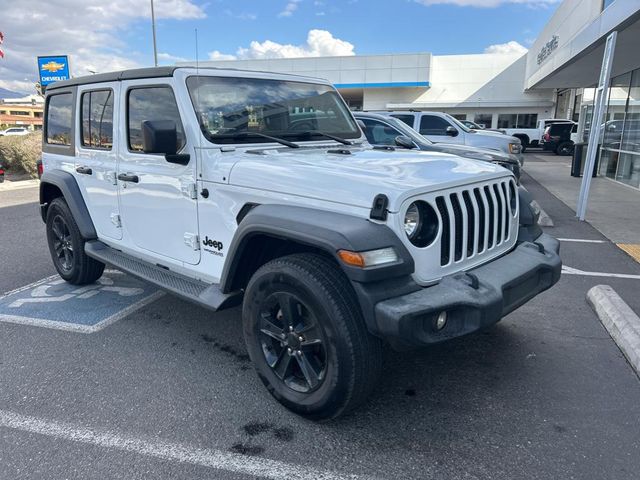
pixel 544 220
pixel 620 321
pixel 17 185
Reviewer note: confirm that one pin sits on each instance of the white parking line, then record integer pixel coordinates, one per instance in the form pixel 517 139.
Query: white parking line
pixel 574 271
pixel 217 459
pixel 581 240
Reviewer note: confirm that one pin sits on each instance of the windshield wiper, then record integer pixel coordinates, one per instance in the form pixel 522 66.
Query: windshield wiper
pixel 268 137
pixel 309 133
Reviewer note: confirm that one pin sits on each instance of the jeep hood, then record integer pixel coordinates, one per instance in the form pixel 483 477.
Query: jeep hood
pixel 356 178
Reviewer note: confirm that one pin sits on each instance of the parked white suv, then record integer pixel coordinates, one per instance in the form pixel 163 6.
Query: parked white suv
pixel 443 128
pixel 228 187
pixel 532 137
pixel 14 131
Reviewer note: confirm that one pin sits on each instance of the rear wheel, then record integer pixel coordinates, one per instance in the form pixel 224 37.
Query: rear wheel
pixel 66 246
pixel 306 336
pixel 565 148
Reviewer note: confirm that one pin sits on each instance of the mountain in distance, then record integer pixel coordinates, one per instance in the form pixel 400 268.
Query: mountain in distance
pixel 4 93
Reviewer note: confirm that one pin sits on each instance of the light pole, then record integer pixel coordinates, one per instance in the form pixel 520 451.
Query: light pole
pixel 153 28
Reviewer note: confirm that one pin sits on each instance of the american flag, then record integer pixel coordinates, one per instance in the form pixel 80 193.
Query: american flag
pixel 1 40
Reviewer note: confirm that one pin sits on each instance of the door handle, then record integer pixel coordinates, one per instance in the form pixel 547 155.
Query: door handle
pixel 84 170
pixel 128 177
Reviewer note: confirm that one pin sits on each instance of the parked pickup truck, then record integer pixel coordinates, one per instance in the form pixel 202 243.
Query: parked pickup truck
pixel 229 187
pixel 443 128
pixel 532 137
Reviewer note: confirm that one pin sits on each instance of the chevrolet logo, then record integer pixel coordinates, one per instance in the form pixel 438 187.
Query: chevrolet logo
pixel 52 66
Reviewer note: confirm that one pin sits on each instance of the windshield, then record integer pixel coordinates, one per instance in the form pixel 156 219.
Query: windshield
pixel 457 122
pixel 231 109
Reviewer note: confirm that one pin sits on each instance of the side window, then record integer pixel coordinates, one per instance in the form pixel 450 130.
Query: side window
pixel 408 119
pixel 97 119
pixel 59 119
pixel 432 125
pixel 379 133
pixel 151 103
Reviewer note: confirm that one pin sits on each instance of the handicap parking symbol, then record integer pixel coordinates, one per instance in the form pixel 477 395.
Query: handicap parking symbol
pixel 54 303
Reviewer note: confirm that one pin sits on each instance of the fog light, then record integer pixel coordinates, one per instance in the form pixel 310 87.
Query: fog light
pixel 441 321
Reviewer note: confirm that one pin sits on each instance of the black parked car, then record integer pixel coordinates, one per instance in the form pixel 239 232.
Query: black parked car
pixel 557 138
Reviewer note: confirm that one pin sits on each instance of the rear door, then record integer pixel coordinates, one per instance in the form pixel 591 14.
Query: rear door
pixel 97 155
pixel 157 198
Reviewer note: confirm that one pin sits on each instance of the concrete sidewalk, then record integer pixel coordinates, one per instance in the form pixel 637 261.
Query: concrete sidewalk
pixel 614 208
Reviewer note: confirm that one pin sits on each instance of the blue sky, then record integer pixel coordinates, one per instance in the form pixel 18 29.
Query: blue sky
pixel 102 36
pixel 372 26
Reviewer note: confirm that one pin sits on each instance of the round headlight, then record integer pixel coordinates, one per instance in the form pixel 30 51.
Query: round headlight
pixel 421 224
pixel 412 221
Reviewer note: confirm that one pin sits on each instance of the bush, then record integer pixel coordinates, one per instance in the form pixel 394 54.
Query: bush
pixel 19 154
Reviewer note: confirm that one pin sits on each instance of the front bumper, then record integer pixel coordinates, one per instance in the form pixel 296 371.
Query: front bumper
pixel 474 299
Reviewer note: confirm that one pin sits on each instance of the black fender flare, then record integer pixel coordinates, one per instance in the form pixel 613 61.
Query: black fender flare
pixel 67 184
pixel 323 230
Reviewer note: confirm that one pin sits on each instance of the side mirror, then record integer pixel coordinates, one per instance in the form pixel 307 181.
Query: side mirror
pixel 451 131
pixel 161 136
pixel 404 142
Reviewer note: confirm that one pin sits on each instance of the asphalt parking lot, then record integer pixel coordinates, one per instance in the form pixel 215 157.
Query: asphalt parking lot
pixel 165 389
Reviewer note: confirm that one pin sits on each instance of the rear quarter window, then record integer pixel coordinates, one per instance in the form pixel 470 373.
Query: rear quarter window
pixel 59 119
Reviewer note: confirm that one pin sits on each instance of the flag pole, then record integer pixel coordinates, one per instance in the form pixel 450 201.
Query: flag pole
pixel 153 28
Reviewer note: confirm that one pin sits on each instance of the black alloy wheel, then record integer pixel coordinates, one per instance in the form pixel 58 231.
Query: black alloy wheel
pixel 292 342
pixel 62 244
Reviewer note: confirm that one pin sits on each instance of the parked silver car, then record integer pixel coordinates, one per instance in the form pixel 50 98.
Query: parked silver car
pixel 382 130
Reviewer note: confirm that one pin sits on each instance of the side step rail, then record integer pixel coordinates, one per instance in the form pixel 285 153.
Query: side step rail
pixel 204 294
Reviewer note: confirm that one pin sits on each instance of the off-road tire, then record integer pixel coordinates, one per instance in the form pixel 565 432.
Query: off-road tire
pixel 353 355
pixel 81 269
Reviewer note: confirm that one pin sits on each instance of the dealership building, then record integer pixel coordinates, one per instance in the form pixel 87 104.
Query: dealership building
pixel 555 79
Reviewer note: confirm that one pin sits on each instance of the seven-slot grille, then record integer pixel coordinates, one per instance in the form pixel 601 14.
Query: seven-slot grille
pixel 476 220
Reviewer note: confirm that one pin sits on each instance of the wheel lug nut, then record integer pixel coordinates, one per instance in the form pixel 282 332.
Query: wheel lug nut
pixel 301 338
pixel 289 351
pixel 299 353
pixel 291 328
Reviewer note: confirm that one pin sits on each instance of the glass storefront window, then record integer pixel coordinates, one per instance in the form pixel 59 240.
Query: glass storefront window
pixel 483 119
pixel 620 152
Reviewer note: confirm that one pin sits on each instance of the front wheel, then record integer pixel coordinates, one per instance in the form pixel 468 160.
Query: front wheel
pixel 306 336
pixel 66 246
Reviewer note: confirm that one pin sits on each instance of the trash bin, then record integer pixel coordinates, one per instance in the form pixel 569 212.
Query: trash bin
pixel 579 159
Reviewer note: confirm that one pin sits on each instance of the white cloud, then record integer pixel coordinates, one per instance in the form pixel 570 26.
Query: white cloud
pixel 289 8
pixel 87 30
pixel 216 55
pixel 320 43
pixel 490 3
pixel 164 57
pixel 509 48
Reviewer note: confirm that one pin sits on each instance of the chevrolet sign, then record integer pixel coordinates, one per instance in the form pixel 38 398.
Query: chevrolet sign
pixel 53 69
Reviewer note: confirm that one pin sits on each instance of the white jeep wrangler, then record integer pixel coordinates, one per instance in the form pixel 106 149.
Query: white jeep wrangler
pixel 228 187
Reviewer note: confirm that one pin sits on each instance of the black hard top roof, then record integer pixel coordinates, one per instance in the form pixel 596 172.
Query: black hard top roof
pixel 151 72
pixel 137 73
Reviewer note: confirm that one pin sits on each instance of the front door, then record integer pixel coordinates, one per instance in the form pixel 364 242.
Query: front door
pixel 435 129
pixel 157 198
pixel 97 156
